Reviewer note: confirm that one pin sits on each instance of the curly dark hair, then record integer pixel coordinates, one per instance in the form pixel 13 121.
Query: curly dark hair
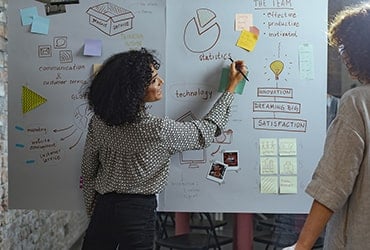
pixel 349 31
pixel 116 92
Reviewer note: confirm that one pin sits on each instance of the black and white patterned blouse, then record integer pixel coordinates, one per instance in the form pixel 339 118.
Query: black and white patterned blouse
pixel 135 157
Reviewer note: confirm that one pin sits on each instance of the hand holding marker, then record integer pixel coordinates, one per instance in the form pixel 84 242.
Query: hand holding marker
pixel 241 72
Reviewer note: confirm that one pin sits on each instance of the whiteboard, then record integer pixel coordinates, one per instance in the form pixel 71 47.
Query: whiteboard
pixel 277 126
pixel 48 115
pixel 278 120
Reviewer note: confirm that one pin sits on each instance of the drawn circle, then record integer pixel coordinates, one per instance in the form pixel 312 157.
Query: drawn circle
pixel 60 42
pixel 197 41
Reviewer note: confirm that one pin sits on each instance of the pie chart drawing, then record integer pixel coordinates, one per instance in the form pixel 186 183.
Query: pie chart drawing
pixel 202 32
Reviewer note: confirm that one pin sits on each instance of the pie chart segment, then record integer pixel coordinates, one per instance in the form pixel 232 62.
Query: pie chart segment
pixel 205 16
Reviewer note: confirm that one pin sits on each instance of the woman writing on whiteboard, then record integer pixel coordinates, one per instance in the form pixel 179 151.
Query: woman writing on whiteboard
pixel 127 150
pixel 340 184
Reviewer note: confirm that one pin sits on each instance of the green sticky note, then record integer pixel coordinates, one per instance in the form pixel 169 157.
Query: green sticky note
pixel 224 81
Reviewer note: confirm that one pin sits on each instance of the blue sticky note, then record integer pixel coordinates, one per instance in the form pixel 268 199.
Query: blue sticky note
pixel 224 81
pixel 93 47
pixel 27 15
pixel 40 25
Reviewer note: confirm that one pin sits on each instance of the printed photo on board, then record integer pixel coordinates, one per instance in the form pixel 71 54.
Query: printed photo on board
pixel 217 171
pixel 231 159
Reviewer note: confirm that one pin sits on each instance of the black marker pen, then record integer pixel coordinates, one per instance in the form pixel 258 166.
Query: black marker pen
pixel 246 78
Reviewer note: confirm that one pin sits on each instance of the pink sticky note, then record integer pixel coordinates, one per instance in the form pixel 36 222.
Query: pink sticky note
pixel 254 30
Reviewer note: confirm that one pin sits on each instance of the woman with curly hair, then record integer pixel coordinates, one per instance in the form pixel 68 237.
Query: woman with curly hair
pixel 340 185
pixel 127 151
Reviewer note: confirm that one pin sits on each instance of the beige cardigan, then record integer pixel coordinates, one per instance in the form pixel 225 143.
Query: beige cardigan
pixel 341 180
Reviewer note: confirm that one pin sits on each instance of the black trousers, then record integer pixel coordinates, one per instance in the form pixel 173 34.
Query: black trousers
pixel 124 220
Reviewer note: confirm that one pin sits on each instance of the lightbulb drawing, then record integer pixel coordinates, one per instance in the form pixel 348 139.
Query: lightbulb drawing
pixel 277 67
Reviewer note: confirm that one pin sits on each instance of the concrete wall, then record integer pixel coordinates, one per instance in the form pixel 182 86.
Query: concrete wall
pixel 28 229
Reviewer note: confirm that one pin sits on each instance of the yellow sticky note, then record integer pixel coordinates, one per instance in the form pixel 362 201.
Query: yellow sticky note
pixel 287 146
pixel 288 185
pixel 268 146
pixel 247 40
pixel 268 165
pixel 288 165
pixel 269 184
pixel 96 68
